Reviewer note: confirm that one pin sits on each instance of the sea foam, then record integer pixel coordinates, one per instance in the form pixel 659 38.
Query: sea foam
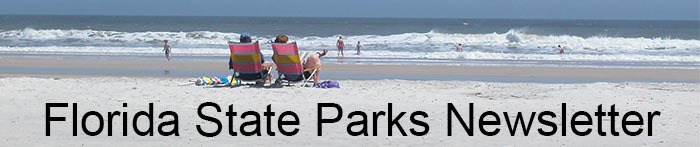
pixel 514 44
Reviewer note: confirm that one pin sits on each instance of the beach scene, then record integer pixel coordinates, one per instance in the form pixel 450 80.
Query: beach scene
pixel 397 61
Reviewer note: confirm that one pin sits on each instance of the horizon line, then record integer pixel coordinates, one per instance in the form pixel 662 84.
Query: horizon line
pixel 485 18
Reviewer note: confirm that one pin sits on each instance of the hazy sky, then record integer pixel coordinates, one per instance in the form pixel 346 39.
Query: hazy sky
pixel 542 9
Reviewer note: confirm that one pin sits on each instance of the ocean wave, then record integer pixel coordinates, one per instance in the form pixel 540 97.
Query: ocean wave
pixel 513 41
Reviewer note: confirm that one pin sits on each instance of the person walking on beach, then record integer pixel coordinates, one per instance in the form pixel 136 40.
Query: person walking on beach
pixel 358 48
pixel 341 45
pixel 167 50
pixel 459 47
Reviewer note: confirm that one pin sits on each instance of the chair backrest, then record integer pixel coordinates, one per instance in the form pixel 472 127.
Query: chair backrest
pixel 246 57
pixel 286 58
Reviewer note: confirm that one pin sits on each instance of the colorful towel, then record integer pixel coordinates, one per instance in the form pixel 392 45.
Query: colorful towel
pixel 204 80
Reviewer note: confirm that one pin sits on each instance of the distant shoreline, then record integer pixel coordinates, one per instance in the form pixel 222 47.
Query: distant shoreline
pixel 375 60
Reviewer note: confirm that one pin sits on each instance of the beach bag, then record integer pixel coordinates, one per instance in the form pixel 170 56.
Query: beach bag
pixel 328 84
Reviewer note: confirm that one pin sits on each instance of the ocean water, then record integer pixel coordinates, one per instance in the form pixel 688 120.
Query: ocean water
pixel 384 40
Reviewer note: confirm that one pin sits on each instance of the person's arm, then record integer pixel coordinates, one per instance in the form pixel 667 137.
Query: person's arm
pixel 262 58
pixel 268 65
pixel 312 68
pixel 230 64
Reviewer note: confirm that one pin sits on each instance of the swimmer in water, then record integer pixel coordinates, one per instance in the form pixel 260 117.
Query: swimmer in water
pixel 459 47
pixel 561 49
pixel 358 48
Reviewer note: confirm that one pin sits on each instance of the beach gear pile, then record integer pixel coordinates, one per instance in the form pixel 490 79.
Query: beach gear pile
pixel 204 81
pixel 230 81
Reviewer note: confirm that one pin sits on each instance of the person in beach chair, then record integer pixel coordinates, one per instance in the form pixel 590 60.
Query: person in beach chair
pixel 247 62
pixel 291 67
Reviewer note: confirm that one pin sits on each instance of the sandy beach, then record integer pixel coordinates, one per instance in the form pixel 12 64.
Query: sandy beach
pixel 23 102
pixel 672 92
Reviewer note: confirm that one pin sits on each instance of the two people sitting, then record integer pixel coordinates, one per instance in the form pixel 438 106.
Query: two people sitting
pixel 309 65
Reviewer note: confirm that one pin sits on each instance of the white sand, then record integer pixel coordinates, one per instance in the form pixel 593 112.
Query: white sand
pixel 22 101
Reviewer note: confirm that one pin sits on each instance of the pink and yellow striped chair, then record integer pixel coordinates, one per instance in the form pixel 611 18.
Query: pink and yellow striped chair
pixel 246 61
pixel 289 64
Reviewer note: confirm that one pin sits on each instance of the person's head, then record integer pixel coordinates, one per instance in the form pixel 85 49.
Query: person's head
pixel 166 41
pixel 281 38
pixel 322 53
pixel 358 42
pixel 459 44
pixel 559 46
pixel 340 37
pixel 245 38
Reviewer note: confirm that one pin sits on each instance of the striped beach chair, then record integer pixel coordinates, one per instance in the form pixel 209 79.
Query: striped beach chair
pixel 288 62
pixel 246 62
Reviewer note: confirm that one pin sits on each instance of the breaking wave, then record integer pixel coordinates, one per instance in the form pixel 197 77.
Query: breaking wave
pixel 515 42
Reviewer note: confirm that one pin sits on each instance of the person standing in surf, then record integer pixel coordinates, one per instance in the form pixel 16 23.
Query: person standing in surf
pixel 561 49
pixel 341 45
pixel 459 47
pixel 167 50
pixel 358 48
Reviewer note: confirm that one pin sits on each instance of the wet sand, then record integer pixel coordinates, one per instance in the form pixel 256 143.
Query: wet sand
pixel 39 66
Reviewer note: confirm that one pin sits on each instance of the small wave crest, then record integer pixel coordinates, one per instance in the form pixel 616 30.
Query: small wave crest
pixel 513 35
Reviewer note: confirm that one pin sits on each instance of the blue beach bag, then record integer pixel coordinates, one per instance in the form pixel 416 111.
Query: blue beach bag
pixel 328 84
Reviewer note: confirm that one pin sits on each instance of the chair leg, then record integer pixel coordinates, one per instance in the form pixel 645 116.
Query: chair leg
pixel 313 73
